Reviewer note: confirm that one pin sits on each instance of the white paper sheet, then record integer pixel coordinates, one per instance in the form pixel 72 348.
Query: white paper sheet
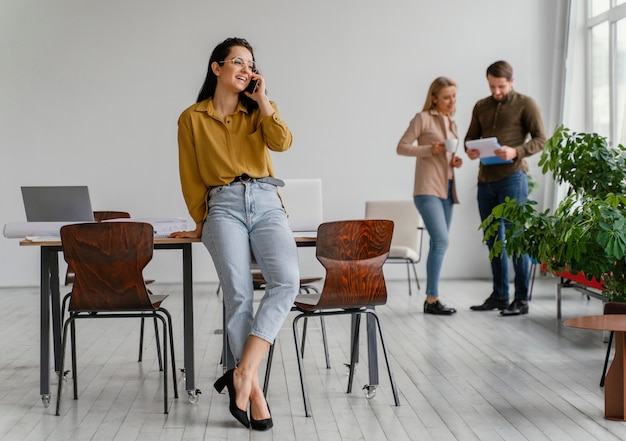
pixel 34 230
pixel 487 148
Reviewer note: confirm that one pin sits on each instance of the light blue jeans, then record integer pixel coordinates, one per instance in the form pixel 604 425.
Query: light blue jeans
pixel 437 215
pixel 245 217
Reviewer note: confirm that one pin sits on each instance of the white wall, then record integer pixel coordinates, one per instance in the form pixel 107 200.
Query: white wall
pixel 90 92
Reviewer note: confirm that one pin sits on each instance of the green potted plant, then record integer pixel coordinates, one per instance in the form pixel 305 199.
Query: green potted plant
pixel 587 231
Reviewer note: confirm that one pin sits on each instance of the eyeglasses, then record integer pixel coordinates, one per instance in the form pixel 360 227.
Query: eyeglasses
pixel 240 62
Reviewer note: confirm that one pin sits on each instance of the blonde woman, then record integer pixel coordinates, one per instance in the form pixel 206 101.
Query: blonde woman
pixel 434 191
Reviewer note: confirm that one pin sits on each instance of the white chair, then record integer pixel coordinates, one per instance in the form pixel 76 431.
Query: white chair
pixel 406 245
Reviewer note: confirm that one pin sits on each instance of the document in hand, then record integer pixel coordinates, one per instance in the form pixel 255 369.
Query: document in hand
pixel 487 148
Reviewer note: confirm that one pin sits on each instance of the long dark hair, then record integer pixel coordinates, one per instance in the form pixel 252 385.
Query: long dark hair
pixel 220 53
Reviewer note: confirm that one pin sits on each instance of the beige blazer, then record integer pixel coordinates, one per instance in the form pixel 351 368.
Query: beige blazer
pixel 431 171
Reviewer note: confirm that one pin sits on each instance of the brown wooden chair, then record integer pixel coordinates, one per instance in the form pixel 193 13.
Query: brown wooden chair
pixel 611 308
pixel 101 216
pixel 353 253
pixel 108 260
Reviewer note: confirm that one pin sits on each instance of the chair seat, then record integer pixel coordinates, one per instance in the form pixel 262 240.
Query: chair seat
pixel 157 299
pixel 307 300
pixel 401 252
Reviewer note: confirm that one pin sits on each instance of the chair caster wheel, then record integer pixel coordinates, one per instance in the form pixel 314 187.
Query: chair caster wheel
pixel 45 399
pixel 369 391
pixel 192 395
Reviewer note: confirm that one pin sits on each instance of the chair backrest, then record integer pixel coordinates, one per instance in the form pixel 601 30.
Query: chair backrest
pixel 615 308
pixel 108 259
pixel 100 216
pixel 353 253
pixel 302 199
pixel 408 224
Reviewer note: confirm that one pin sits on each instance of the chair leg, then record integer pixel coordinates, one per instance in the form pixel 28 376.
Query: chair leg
pixel 268 369
pixel 74 365
pixel 62 365
pixel 384 346
pixel 325 341
pixel 415 274
pixel 305 395
pixel 304 328
pixel 66 297
pixel 140 357
pixel 354 350
pixel 606 360
pixel 158 345
pixel 408 276
pixel 172 352
pixel 164 324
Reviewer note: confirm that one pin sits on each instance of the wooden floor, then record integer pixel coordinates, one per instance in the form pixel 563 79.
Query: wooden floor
pixel 472 376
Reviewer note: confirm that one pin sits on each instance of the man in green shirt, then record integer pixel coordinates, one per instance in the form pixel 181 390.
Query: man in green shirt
pixel 514 119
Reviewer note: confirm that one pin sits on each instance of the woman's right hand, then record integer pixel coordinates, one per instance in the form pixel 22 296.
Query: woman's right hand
pixel 185 234
pixel 188 234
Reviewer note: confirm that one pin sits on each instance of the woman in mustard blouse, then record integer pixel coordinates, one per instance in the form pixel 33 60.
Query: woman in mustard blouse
pixel 229 187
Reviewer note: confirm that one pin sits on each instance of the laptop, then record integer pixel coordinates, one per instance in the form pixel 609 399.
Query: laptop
pixel 57 204
pixel 303 202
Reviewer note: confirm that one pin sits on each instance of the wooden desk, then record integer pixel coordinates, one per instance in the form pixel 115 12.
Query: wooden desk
pixel 50 296
pixel 615 382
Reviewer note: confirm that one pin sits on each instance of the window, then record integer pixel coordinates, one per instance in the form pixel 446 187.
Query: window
pixel 606 26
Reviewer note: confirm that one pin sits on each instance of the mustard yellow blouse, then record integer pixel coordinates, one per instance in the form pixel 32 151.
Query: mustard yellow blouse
pixel 212 151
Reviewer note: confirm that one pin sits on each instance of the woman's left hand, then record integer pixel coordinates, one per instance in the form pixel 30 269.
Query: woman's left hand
pixel 259 90
pixel 456 161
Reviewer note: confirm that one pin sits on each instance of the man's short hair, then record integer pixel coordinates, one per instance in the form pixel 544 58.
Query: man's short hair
pixel 501 69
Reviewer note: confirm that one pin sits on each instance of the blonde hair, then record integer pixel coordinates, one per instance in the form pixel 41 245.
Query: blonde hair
pixel 434 89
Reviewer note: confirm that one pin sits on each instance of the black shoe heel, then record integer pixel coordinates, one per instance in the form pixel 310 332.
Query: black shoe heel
pixel 226 381
pixel 265 424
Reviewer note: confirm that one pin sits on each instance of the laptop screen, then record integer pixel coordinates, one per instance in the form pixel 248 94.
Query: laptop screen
pixel 57 204
pixel 303 202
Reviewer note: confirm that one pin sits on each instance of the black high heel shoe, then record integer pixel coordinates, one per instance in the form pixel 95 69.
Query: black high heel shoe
pixel 265 424
pixel 226 380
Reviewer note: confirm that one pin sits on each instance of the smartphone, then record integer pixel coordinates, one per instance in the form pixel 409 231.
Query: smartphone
pixel 252 86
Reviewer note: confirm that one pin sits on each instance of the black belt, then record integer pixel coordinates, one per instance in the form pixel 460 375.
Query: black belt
pixel 268 180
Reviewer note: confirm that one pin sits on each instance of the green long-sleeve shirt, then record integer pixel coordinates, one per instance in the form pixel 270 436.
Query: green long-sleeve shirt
pixel 516 122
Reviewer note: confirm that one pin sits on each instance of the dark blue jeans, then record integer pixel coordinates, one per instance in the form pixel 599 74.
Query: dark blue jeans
pixel 489 195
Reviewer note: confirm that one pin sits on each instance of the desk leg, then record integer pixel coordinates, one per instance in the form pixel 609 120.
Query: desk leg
pixel 44 316
pixel 55 296
pixel 190 374
pixel 614 383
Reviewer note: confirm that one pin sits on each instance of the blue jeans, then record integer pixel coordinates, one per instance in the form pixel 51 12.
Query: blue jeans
pixel 437 215
pixel 489 195
pixel 247 217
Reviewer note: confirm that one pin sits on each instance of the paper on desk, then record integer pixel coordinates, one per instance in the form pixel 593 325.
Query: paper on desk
pixel 162 226
pixel 487 148
pixel 38 231
pixel 34 230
